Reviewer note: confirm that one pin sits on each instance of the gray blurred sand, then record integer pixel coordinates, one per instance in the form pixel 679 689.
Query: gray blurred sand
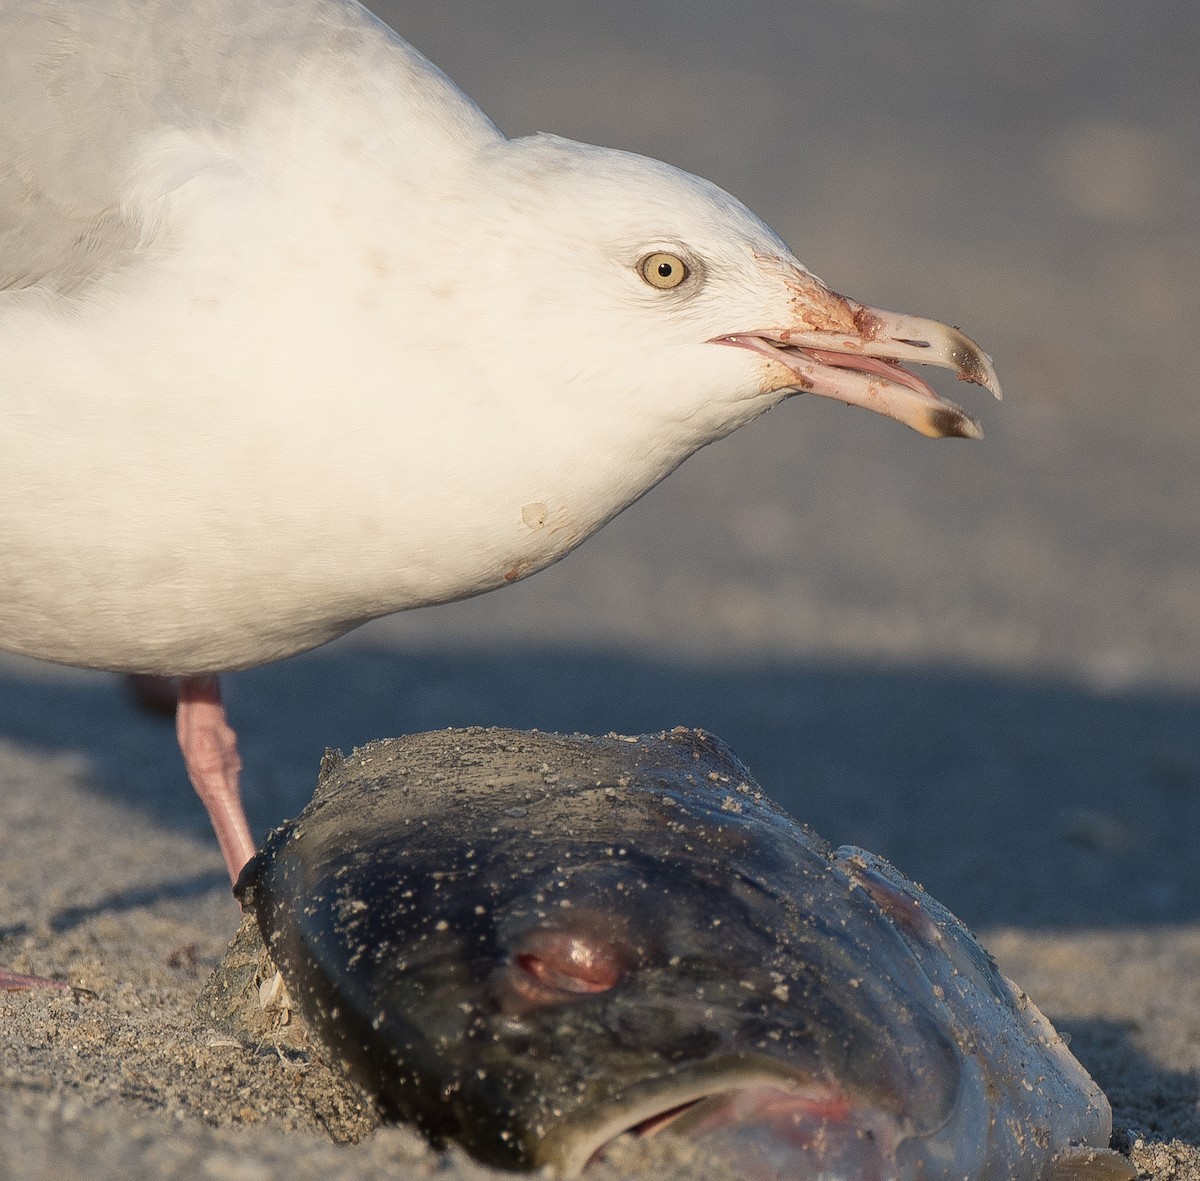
pixel 982 660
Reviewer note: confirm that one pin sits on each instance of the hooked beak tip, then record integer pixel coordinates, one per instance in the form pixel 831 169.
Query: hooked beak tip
pixel 975 366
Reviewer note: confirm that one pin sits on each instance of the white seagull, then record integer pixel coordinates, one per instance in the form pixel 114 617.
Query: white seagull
pixel 292 337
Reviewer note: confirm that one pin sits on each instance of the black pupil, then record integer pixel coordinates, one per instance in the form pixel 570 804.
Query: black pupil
pixel 665 270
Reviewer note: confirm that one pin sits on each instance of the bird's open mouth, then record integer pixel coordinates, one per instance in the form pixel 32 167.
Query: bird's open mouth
pixel 862 367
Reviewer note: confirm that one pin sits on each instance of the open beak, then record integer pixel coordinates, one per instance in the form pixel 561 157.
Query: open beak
pixel 838 348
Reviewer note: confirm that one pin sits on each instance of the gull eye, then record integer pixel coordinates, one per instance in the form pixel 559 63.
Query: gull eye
pixel 663 270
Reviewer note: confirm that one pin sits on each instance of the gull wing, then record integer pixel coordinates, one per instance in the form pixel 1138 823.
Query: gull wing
pixel 86 88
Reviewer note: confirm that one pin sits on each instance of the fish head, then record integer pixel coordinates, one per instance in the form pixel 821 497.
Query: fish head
pixel 617 938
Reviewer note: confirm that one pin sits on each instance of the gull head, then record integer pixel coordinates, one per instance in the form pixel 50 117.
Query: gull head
pixel 628 276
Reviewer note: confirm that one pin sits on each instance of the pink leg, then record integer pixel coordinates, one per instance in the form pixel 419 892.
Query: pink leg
pixel 18 982
pixel 210 754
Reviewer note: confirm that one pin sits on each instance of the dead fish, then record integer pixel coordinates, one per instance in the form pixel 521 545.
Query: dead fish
pixel 531 944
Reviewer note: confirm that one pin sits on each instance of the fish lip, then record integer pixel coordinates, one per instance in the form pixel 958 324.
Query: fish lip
pixel 578 1142
pixel 868 372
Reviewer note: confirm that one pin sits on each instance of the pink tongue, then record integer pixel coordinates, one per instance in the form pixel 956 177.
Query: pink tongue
pixel 779 1135
pixel 885 369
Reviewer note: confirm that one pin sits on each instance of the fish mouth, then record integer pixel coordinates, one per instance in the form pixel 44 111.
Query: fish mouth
pixel 859 363
pixel 774 1125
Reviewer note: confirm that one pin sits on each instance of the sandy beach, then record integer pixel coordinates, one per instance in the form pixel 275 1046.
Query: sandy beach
pixel 981 660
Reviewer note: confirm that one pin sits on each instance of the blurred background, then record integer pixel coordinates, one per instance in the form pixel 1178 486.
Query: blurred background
pixel 980 659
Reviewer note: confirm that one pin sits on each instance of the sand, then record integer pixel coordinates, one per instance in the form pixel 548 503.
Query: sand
pixel 981 660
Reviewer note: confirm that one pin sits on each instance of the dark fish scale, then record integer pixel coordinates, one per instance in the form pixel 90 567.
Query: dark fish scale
pixel 527 942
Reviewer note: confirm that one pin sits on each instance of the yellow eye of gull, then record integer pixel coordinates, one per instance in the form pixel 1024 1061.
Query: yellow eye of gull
pixel 663 270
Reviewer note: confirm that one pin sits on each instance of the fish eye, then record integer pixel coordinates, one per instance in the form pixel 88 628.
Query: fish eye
pixel 663 270
pixel 571 963
pixel 559 965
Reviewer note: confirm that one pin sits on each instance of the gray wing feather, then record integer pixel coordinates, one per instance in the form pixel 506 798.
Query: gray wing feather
pixel 60 158
pixel 84 83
